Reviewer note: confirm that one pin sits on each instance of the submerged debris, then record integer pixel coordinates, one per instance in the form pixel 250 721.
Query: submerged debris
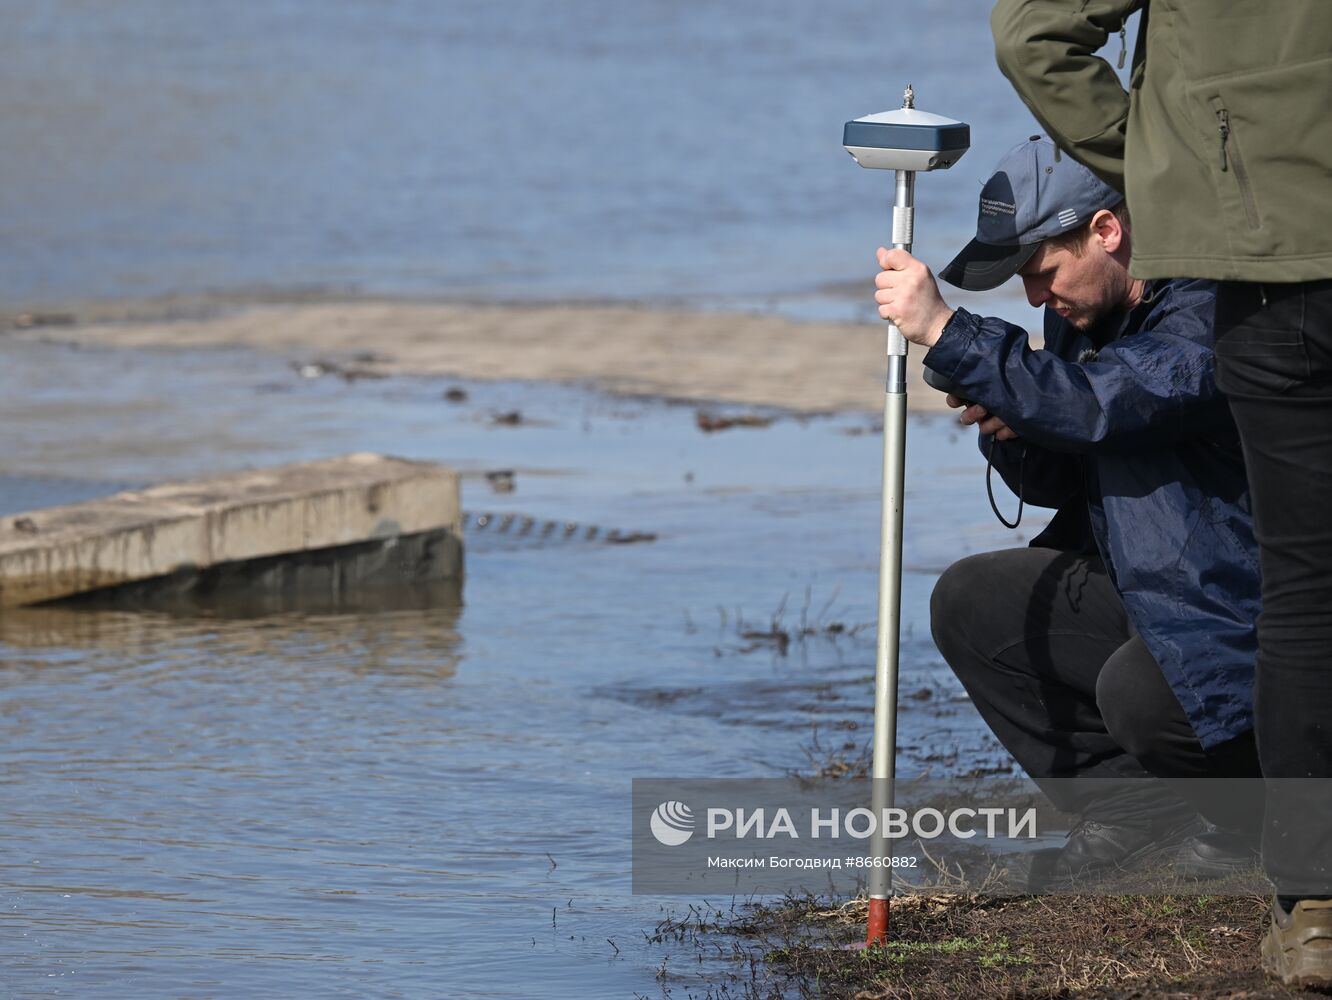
pixel 501 480
pixel 320 367
pixel 849 759
pixel 28 320
pixel 778 636
pixel 709 422
pixel 523 525
pixel 775 636
pixel 630 538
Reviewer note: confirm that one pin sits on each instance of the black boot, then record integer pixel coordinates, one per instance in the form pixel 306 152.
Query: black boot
pixel 1093 848
pixel 1216 853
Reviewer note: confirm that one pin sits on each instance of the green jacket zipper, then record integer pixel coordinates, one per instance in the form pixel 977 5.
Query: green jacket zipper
pixel 1230 157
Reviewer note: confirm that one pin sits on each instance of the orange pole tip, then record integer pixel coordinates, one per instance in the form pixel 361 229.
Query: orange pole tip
pixel 877 931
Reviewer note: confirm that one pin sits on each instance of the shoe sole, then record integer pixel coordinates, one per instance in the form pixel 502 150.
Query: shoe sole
pixel 1296 967
pixel 1306 973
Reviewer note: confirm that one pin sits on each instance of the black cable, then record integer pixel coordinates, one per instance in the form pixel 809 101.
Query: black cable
pixel 989 488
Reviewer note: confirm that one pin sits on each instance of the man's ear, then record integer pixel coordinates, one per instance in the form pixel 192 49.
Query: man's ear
pixel 1108 230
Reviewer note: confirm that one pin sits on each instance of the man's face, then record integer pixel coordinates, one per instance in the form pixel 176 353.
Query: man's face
pixel 1083 289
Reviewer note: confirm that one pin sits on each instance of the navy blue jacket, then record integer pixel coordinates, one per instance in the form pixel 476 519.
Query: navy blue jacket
pixel 1126 433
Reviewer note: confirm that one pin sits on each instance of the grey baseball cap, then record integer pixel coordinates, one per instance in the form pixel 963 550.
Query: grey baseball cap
pixel 1035 193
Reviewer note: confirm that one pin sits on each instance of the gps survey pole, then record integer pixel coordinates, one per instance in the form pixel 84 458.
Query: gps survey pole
pixel 907 141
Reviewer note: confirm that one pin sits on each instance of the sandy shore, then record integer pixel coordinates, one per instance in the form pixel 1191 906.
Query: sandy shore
pixel 759 360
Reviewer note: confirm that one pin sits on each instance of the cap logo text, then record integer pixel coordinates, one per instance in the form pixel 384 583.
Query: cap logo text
pixel 991 207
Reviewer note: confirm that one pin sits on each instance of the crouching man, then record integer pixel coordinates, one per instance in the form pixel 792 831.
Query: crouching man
pixel 1120 644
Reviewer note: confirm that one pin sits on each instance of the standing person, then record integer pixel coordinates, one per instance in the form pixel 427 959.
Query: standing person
pixel 1115 654
pixel 1223 145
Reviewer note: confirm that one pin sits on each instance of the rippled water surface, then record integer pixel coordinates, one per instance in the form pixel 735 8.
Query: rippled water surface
pixel 434 802
pixel 673 149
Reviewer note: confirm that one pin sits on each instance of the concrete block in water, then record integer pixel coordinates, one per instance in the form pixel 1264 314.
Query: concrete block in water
pixel 322 527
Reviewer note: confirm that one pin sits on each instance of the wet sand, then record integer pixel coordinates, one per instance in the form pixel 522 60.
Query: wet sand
pixel 751 359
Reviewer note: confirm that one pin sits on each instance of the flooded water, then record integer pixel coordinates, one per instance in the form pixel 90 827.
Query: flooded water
pixel 683 151
pixel 436 802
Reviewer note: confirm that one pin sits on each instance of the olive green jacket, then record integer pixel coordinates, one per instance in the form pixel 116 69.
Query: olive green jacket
pixel 1223 143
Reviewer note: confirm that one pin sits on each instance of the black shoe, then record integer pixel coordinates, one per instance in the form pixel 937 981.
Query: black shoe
pixel 1093 848
pixel 1216 853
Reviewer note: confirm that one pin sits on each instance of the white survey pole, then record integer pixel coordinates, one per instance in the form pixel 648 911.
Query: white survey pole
pixel 906 141
pixel 883 761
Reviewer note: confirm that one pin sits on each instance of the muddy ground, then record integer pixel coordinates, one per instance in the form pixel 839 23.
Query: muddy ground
pixel 948 945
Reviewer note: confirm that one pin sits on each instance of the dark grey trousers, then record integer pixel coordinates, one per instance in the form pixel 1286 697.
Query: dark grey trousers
pixel 1042 643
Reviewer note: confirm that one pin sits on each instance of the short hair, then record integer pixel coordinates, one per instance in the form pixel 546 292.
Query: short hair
pixel 1075 241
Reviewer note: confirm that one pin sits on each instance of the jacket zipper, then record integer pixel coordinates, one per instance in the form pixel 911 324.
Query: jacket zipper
pixel 1123 46
pixel 1230 158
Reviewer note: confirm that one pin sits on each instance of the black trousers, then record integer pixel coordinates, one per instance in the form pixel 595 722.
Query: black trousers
pixel 1042 643
pixel 1274 362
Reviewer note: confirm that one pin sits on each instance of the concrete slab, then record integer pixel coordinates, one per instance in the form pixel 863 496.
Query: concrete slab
pixel 283 527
